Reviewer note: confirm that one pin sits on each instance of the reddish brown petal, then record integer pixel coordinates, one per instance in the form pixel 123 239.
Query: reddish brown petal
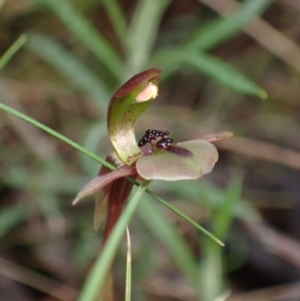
pixel 101 181
pixel 101 205
pixel 120 191
pixel 102 196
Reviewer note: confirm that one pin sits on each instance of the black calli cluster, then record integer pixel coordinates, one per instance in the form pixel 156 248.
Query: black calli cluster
pixel 161 141
pixel 159 138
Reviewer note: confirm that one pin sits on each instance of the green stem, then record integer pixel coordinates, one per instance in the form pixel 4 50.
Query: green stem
pixel 97 276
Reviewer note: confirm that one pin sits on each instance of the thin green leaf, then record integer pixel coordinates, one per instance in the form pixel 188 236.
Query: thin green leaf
pixel 221 29
pixel 55 134
pixel 210 277
pixel 93 136
pixel 205 193
pixel 128 268
pixel 185 217
pixel 210 36
pixel 70 67
pixel 224 216
pixel 211 282
pixel 87 34
pixel 225 74
pixel 98 274
pixel 167 234
pixel 117 19
pixel 143 32
pixel 217 31
pixel 12 50
pixel 216 69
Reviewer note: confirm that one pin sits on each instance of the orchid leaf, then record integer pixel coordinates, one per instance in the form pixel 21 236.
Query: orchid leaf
pixel 126 105
pixel 101 181
pixel 186 160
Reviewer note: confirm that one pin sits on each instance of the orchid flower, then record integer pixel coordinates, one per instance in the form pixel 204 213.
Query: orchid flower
pixel 154 157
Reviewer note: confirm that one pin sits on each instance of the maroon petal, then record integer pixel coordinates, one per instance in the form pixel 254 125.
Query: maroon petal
pixel 101 181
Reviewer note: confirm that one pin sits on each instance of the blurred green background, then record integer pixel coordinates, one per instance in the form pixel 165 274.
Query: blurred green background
pixel 60 63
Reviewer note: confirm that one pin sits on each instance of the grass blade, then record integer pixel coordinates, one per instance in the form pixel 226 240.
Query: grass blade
pixel 223 218
pixel 167 234
pixel 215 68
pixel 12 50
pixel 117 19
pixel 87 34
pixel 221 29
pixel 143 32
pixel 128 268
pixel 185 217
pixel 211 196
pixel 55 134
pixel 210 277
pixel 97 276
pixel 93 136
pixel 211 263
pixel 211 35
pixel 70 67
pixel 225 74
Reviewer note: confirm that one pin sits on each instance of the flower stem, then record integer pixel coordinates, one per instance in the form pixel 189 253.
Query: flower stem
pixel 96 279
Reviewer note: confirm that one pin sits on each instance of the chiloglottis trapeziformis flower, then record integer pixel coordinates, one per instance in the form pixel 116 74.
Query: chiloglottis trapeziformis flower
pixel 154 157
